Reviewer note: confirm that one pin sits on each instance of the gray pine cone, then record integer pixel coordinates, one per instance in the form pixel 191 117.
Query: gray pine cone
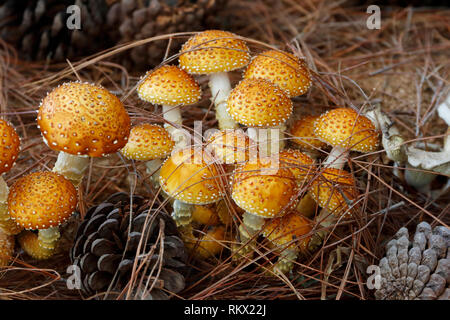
pixel 418 269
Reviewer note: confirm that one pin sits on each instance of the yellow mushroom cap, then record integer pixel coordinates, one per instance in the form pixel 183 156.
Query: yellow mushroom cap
pixel 29 242
pixel 231 146
pixel 83 119
pixel 6 248
pixel 41 200
pixel 169 85
pixel 9 147
pixel 214 51
pixel 303 130
pixel 148 142
pixel 328 190
pixel 262 188
pixel 345 128
pixel 190 176
pixel 290 229
pixel 258 103
pixel 284 69
pixel 209 244
pixel 300 164
pixel 205 215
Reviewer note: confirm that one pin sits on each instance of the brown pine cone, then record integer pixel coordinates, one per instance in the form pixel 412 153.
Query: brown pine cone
pixel 418 269
pixel 105 249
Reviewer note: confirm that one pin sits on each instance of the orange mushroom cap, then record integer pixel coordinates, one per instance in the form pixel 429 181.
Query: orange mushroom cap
pixel 328 190
pixel 83 119
pixel 214 51
pixel 169 85
pixel 6 248
pixel 148 142
pixel 262 189
pixel 231 146
pixel 303 130
pixel 189 176
pixel 41 200
pixel 345 128
pixel 29 242
pixel 284 69
pixel 300 164
pixel 290 229
pixel 209 244
pixel 205 215
pixel 258 103
pixel 10 146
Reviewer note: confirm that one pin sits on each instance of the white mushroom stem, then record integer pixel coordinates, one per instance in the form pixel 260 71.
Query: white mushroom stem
pixel 48 238
pixel 71 167
pixel 336 158
pixel 172 114
pixel 251 225
pixel 153 167
pixel 286 260
pixel 220 87
pixel 269 141
pixel 182 213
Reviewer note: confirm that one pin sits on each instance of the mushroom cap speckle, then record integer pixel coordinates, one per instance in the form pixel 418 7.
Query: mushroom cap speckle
pixel 231 146
pixel 264 189
pixel 328 190
pixel 301 165
pixel 148 142
pixel 169 85
pixel 9 147
pixel 214 51
pixel 345 128
pixel 29 242
pixel 41 200
pixel 189 176
pixel 284 69
pixel 258 103
pixel 287 230
pixel 83 119
pixel 303 130
pixel 6 248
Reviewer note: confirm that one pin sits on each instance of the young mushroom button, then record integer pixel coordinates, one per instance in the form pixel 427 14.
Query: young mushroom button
pixel 216 52
pixel 170 87
pixel 9 151
pixel 345 130
pixel 42 201
pixel 82 120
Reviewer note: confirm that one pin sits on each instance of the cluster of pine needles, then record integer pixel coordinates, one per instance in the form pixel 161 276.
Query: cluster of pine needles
pixel 404 67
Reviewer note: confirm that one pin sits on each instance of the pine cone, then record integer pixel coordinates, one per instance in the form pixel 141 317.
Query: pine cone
pixel 38 29
pixel 105 249
pixel 417 269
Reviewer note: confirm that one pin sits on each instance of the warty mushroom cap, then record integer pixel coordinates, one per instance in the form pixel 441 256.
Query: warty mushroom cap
pixel 148 142
pixel 9 147
pixel 41 200
pixel 259 103
pixel 344 127
pixel 303 132
pixel 231 146
pixel 213 51
pixel 300 164
pixel 283 69
pixel 83 119
pixel 169 85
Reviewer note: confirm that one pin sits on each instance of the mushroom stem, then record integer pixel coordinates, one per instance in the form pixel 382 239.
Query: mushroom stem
pixel 336 158
pixel 30 243
pixel 182 213
pixel 219 83
pixel 153 167
pixel 173 115
pixel 307 205
pixel 72 167
pixel 48 238
pixel 326 219
pixel 286 260
pixel 270 140
pixel 4 190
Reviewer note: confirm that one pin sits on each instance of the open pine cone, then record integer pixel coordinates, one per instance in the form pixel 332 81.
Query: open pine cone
pixel 105 250
pixel 418 269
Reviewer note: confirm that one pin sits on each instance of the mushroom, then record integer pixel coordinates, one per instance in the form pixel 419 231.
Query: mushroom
pixel 6 248
pixel 263 191
pixel 231 146
pixel 290 234
pixel 42 201
pixel 345 130
pixel 9 151
pixel 208 245
pixel 334 190
pixel 259 103
pixel 29 242
pixel 170 87
pixel 150 143
pixel 190 177
pixel 214 53
pixel 303 132
pixel 283 69
pixel 82 120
